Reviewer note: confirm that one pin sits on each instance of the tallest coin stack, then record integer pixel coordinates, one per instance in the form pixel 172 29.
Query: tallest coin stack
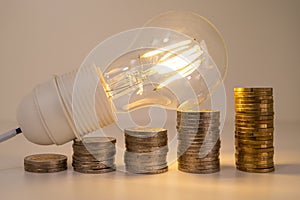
pixel 254 127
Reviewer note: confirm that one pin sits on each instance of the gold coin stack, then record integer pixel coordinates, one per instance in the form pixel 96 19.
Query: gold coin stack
pixel 146 150
pixel 45 163
pixel 198 141
pixel 94 155
pixel 254 128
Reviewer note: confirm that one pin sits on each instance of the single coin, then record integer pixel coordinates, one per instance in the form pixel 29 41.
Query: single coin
pixel 251 170
pixel 195 171
pixel 45 163
pixel 254 101
pixel 98 140
pixel 201 112
pixel 144 131
pixel 253 117
pixel 156 171
pixel 94 171
pixel 43 170
pixel 255 166
pixel 254 121
pixel 261 146
pixel 254 89
pixel 254 142
pixel 45 158
pixel 252 150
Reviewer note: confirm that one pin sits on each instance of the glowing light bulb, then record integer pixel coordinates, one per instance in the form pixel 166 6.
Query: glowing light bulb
pixel 155 65
pixel 155 73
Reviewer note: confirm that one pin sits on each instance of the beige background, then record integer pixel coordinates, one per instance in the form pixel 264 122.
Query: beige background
pixel 40 38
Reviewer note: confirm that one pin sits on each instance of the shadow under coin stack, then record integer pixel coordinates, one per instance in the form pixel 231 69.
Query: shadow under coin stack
pixel 198 141
pixel 94 155
pixel 254 129
pixel 45 163
pixel 146 150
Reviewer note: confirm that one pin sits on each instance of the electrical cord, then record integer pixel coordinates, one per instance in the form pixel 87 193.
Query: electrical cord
pixel 10 134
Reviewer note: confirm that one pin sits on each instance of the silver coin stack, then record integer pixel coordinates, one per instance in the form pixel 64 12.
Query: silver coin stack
pixel 45 163
pixel 94 155
pixel 198 141
pixel 146 150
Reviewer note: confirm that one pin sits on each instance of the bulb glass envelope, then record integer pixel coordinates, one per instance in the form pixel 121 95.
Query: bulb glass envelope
pixel 175 64
pixel 198 28
pixel 149 66
pixel 172 63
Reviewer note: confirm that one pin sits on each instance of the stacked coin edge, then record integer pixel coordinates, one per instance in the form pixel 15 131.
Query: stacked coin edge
pixel 198 141
pixel 254 129
pixel 45 163
pixel 146 150
pixel 94 155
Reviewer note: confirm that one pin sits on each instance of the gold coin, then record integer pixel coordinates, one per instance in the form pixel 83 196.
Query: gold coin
pixel 251 170
pixel 253 93
pixel 250 125
pixel 255 166
pixel 252 150
pixel 254 89
pixel 248 97
pixel 253 118
pixel 254 113
pixel 253 146
pixel 254 105
pixel 254 142
pixel 253 129
pixel 254 101
pixel 253 157
pixel 254 121
pixel 254 110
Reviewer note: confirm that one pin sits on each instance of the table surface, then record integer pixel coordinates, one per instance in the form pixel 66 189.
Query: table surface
pixel 229 183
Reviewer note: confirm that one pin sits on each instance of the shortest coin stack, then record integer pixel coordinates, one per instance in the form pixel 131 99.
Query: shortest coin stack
pixel 254 127
pixel 146 150
pixel 45 163
pixel 198 141
pixel 94 155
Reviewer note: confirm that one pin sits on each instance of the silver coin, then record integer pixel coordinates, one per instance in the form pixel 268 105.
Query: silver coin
pixel 45 158
pixel 92 171
pixel 94 155
pixel 45 163
pixel 157 171
pixel 43 170
pixel 144 131
pixel 199 113
pixel 195 171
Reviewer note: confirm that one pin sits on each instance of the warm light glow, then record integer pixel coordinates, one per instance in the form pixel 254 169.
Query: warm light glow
pixel 173 62
pixel 169 54
pixel 166 48
pixel 179 61
pixel 181 74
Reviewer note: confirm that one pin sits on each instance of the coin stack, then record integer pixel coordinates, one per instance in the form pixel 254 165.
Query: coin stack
pixel 198 141
pixel 45 163
pixel 146 150
pixel 94 155
pixel 254 128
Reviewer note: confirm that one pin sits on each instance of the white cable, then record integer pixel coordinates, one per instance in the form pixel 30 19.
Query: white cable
pixel 9 134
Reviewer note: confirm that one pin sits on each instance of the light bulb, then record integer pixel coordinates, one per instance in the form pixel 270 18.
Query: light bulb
pixel 141 67
pixel 150 76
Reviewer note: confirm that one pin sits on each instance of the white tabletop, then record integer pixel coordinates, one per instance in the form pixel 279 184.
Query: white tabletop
pixel 229 183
